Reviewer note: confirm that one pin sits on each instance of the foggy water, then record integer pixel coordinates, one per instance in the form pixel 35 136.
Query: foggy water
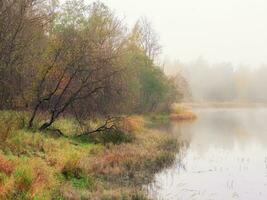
pixel 224 157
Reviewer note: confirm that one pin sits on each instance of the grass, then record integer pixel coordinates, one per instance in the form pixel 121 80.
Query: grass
pixel 180 113
pixel 162 118
pixel 111 136
pixel 111 165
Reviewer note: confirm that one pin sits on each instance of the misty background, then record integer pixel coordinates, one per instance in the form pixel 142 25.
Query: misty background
pixel 219 30
pixel 221 82
pixel 221 45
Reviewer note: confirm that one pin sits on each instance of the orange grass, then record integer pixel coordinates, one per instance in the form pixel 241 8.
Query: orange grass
pixel 6 166
pixel 132 123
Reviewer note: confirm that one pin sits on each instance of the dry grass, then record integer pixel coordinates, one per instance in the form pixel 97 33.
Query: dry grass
pixel 30 178
pixel 134 158
pixel 132 123
pixel 6 166
pixel 181 113
pixel 38 166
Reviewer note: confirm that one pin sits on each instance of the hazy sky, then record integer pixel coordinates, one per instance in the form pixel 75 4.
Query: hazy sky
pixel 218 30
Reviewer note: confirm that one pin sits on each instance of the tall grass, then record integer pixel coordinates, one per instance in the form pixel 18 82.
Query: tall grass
pixel 37 166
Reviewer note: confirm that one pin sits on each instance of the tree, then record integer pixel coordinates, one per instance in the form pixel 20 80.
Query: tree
pixel 22 25
pixel 77 59
pixel 81 62
pixel 147 38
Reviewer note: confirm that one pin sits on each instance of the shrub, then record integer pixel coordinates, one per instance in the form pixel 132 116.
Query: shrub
pixel 114 136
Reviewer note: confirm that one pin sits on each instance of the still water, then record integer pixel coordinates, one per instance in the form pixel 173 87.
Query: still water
pixel 223 156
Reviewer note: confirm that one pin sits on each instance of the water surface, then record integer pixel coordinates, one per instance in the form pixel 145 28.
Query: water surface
pixel 224 156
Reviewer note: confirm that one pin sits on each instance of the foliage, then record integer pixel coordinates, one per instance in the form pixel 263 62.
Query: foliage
pixel 69 68
pixel 78 60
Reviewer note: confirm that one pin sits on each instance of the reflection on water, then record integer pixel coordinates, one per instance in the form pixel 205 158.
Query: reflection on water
pixel 226 158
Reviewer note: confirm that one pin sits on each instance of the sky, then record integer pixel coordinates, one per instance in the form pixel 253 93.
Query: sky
pixel 217 30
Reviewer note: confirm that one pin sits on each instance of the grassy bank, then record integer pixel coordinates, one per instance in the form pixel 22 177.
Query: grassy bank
pixel 178 112
pixel 181 112
pixel 115 165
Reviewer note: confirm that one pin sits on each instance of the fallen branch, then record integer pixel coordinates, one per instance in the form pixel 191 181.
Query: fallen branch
pixel 58 131
pixel 108 125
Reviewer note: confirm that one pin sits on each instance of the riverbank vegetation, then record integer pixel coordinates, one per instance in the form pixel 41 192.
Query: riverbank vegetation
pixel 74 83
pixel 110 165
pixel 180 112
pixel 79 60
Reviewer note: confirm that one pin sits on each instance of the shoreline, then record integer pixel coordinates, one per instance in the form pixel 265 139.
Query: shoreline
pixel 37 165
pixel 224 105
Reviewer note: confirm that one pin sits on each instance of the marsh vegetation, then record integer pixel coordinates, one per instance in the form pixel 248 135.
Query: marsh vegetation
pixel 75 81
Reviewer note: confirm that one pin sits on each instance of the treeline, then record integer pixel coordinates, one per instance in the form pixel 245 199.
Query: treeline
pixel 78 59
pixel 224 82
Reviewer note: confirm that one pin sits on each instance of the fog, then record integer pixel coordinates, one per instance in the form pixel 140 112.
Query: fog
pixel 221 82
pixel 220 30
pixel 231 35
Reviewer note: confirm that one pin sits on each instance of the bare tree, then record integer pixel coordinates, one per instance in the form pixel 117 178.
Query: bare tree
pixel 149 39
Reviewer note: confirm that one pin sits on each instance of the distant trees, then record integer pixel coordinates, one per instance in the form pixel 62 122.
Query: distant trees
pixel 77 59
pixel 223 82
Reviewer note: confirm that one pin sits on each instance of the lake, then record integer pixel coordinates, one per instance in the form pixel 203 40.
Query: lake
pixel 223 156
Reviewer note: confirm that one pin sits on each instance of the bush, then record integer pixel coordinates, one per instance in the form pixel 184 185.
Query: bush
pixel 114 136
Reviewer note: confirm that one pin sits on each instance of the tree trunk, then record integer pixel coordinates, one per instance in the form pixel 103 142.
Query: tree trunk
pixel 46 125
pixel 30 124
